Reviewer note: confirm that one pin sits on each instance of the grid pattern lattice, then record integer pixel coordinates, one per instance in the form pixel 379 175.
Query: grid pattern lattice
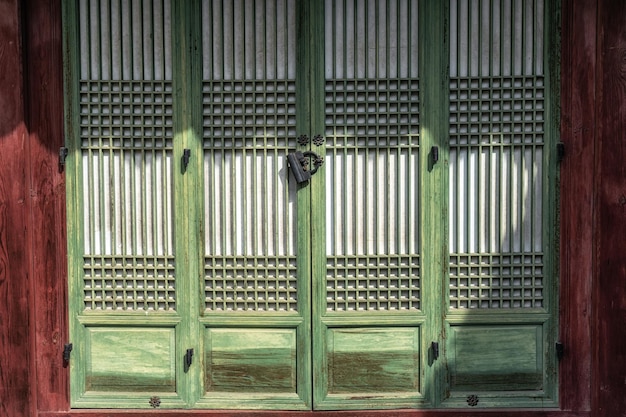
pixel 375 113
pixel 251 284
pixel 256 111
pixel 496 152
pixel 496 110
pixel 129 114
pixel 120 283
pixel 249 127
pixel 496 281
pixel 373 283
pixel 372 132
pixel 126 146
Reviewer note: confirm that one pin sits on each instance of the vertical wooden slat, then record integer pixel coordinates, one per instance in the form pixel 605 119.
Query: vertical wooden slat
pixel 434 108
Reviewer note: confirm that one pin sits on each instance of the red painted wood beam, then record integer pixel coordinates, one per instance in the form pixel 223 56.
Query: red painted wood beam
pixel 15 346
pixel 43 64
pixel 578 54
pixel 609 295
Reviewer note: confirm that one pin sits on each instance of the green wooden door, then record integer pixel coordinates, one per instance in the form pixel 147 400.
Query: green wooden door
pixel 373 316
pixel 502 241
pixel 255 309
pixel 189 250
pixel 201 274
pixel 128 305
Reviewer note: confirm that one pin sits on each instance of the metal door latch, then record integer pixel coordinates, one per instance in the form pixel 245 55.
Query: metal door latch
pixel 434 154
pixel 188 359
pixel 435 348
pixel 186 157
pixel 560 350
pixel 299 165
pixel 63 151
pixel 67 350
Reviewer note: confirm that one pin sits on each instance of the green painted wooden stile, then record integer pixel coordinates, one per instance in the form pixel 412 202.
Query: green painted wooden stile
pixel 371 296
pixel 502 304
pixel 129 318
pixel 415 269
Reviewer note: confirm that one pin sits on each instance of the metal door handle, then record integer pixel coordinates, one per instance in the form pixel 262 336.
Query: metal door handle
pixel 299 165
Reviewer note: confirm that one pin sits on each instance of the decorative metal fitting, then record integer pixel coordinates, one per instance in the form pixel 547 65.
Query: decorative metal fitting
pixel 318 140
pixel 155 402
pixel 472 400
pixel 303 140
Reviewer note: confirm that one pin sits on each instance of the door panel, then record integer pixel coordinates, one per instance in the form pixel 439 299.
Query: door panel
pixel 142 360
pixel 370 300
pixel 501 305
pixel 376 362
pixel 123 261
pixel 496 358
pixel 251 360
pixel 255 303
pixel 497 136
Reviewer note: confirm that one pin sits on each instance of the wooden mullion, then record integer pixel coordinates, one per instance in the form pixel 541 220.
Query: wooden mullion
pixel 434 114
pixel 73 169
pixel 188 200
pixel 304 31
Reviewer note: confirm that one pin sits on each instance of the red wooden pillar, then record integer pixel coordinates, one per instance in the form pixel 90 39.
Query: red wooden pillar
pixel 578 55
pixel 43 64
pixel 15 279
pixel 609 351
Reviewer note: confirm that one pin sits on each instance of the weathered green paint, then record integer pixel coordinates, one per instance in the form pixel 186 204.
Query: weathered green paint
pixel 305 29
pixel 314 45
pixel 374 362
pixel 74 196
pixel 434 112
pixel 130 359
pixel 250 360
pixel 187 190
pixel 507 356
pixel 311 358
pixel 495 358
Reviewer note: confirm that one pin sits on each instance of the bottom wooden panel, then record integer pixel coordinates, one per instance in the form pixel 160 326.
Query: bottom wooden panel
pixel 488 358
pixel 356 413
pixel 255 368
pixel 130 360
pixel 373 360
pixel 125 367
pixel 491 366
pixel 250 360
pixel 369 368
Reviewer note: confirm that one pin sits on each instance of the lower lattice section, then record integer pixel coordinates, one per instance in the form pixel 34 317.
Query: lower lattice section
pixel 373 283
pixel 496 280
pixel 124 283
pixel 239 283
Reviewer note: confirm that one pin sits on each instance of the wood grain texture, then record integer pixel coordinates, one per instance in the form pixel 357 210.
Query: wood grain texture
pixel 609 355
pixel 46 225
pixel 576 200
pixel 15 353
